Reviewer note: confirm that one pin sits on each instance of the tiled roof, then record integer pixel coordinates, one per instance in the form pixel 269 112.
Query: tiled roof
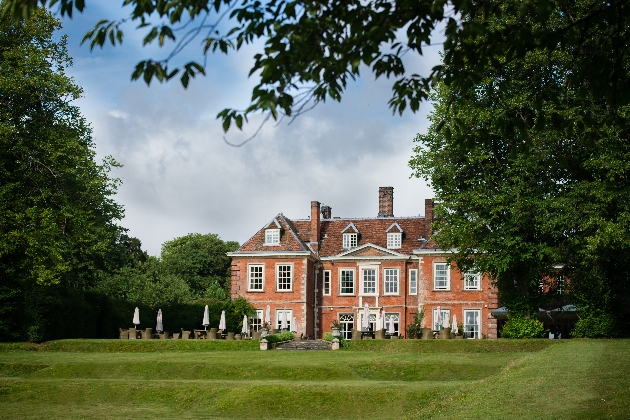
pixel 289 238
pixel 296 234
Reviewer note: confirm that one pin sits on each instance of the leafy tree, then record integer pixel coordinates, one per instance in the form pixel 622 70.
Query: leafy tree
pixel 558 208
pixel 57 217
pixel 312 48
pixel 147 283
pixel 201 261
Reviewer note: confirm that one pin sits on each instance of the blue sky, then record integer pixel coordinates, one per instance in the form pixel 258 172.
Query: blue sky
pixel 179 176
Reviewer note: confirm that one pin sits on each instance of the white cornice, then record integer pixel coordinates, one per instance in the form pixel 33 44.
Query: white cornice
pixel 400 257
pixel 433 251
pixel 277 254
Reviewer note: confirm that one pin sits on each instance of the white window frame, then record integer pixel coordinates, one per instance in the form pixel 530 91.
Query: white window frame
pixel 249 277
pixel 289 317
pixel 362 281
pixel 350 240
pixel 346 320
pixel 476 279
pixel 477 333
pixel 272 237
pixel 354 281
pixel 258 319
pixel 396 284
pixel 373 320
pixel 434 318
pixel 448 276
pixel 291 278
pixel 326 279
pixel 394 240
pixel 413 281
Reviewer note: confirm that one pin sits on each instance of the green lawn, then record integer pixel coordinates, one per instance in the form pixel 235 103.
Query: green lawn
pixel 502 379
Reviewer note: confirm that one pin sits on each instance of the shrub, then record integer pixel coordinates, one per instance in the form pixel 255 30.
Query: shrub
pixel 342 341
pixel 595 324
pixel 519 327
pixel 281 336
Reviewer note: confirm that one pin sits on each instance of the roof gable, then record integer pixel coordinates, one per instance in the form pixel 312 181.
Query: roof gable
pixel 289 239
pixel 394 227
pixel 350 228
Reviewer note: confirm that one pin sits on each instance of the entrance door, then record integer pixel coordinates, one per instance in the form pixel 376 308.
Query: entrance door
pixel 347 324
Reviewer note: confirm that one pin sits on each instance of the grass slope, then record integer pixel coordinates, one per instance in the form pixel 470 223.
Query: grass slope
pixel 378 379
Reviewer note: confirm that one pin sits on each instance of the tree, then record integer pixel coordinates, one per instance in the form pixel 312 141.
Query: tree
pixel 312 48
pixel 57 217
pixel 558 208
pixel 201 261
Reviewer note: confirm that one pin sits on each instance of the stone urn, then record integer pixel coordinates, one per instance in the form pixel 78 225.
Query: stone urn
pixel 336 332
pixel 238 336
pixel 444 334
pixel 230 336
pixel 264 332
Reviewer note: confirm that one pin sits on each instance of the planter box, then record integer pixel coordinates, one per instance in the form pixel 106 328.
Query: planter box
pixel 427 334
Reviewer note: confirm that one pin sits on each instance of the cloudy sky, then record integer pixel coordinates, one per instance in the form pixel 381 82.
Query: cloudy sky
pixel 179 176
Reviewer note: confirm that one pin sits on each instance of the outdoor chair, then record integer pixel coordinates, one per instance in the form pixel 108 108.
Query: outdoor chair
pixel 146 334
pixel 132 334
pixel 175 336
pixel 123 334
pixel 185 334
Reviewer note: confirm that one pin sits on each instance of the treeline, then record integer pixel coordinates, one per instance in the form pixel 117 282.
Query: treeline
pixel 67 267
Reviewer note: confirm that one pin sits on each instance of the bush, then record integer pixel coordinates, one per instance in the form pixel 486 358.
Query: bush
pixel 519 327
pixel 281 336
pixel 595 324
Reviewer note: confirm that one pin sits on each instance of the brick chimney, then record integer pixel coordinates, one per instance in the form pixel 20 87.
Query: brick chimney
pixel 386 202
pixel 326 212
pixel 315 223
pixel 428 215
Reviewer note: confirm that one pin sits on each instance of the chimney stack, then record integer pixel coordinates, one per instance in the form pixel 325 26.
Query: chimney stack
pixel 315 224
pixel 326 212
pixel 428 215
pixel 386 202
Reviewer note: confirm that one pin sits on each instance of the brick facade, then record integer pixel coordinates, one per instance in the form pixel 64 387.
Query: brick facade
pixel 311 252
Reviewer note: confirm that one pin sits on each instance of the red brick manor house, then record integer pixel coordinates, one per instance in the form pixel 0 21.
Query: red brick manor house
pixel 326 268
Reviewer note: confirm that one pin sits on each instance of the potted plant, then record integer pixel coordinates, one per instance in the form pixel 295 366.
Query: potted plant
pixel 336 328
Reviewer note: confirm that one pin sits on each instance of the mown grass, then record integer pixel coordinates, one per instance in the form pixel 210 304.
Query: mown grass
pixel 378 379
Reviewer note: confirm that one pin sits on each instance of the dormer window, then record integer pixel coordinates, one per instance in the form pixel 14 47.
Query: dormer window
pixel 350 240
pixel 272 237
pixel 394 240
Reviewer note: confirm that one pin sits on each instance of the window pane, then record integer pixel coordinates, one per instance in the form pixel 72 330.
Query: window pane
pixel 395 318
pixel 471 323
pixel 347 324
pixel 284 277
pixel 472 281
pixel 394 240
pixel 255 277
pixel 272 236
pixel 437 321
pixel 347 281
pixel 369 281
pixel 326 290
pixel 289 314
pixel 441 276
pixel 413 282
pixel 391 281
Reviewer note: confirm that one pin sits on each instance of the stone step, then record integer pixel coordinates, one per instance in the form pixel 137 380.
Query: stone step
pixel 304 345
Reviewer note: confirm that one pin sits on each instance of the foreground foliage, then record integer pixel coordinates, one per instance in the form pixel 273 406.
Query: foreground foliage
pixel 519 327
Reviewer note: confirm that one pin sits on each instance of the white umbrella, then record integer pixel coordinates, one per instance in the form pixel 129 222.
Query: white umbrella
pixel 245 329
pixel 222 321
pixel 366 317
pixel 381 322
pixel 446 323
pixel 294 326
pixel 438 320
pixel 455 329
pixel 268 315
pixel 283 321
pixel 206 318
pixel 136 317
pixel 159 326
pixel 391 329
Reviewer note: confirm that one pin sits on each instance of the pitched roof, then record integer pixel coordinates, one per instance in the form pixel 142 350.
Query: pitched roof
pixel 289 238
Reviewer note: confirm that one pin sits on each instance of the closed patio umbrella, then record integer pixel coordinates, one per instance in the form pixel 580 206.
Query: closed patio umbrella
pixel 136 317
pixel 446 323
pixel 438 320
pixel 222 321
pixel 390 328
pixel 206 318
pixel 294 326
pixel 455 329
pixel 365 325
pixel 268 315
pixel 159 326
pixel 245 329
pixel 283 321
